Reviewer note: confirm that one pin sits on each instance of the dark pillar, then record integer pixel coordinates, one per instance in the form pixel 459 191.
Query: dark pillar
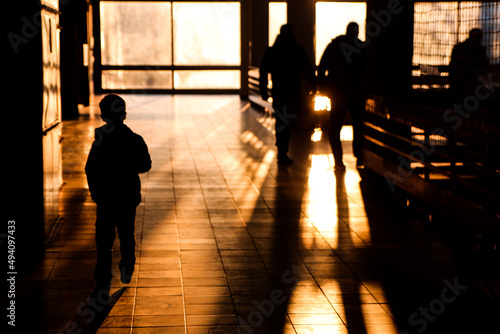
pixel 259 31
pixel 389 50
pixel 74 75
pixel 245 47
pixel 22 126
pixel 301 15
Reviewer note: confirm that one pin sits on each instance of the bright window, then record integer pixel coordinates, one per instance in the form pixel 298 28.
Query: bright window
pixel 206 33
pixel 143 42
pixel 277 17
pixel 332 19
pixel 207 79
pixel 124 79
pixel 135 33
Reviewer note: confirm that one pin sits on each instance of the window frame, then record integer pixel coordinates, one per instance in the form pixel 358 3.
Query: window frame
pixel 99 68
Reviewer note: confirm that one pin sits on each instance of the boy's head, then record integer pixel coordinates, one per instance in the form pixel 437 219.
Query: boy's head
pixel 113 108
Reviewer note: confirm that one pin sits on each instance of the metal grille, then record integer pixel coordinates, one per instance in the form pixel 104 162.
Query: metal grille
pixel 439 26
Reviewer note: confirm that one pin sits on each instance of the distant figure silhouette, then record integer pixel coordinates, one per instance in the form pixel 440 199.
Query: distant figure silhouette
pixel 468 62
pixel 340 75
pixel 115 160
pixel 285 60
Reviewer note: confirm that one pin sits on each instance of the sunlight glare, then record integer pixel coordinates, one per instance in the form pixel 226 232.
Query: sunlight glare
pixel 322 102
pixel 319 203
pixel 346 133
pixel 316 136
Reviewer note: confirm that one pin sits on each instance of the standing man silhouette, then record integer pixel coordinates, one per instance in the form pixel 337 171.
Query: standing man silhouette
pixel 115 160
pixel 468 63
pixel 340 75
pixel 285 60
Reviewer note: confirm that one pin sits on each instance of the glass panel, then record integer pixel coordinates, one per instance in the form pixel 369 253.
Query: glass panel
pixel 51 3
pixel 439 26
pixel 51 69
pixel 332 19
pixel 485 16
pixel 135 33
pixel 153 79
pixel 206 33
pixel 207 79
pixel 434 32
pixel 277 17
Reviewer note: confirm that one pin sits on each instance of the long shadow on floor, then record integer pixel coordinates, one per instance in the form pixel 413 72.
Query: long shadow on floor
pixel 92 313
pixel 274 226
pixel 427 285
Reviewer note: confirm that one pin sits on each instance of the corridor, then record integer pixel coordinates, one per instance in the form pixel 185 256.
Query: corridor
pixel 230 242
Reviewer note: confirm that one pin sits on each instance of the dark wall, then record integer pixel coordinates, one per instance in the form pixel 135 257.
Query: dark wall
pixel 259 18
pixel 389 48
pixel 22 125
pixel 301 15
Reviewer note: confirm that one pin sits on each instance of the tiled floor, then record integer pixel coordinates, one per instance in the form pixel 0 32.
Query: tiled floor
pixel 228 242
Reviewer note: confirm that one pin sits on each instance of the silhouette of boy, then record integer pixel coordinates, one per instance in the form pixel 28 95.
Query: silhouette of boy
pixel 115 160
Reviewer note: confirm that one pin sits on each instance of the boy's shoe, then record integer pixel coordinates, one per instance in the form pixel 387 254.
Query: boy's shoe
pixel 126 274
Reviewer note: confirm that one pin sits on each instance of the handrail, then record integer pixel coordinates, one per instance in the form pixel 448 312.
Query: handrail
pixel 434 168
pixel 446 156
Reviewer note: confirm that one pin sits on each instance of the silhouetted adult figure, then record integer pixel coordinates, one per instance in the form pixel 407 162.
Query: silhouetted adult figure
pixel 468 63
pixel 115 160
pixel 285 60
pixel 340 76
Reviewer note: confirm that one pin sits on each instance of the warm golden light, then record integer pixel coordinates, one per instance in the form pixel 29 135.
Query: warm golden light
pixel 439 26
pixel 320 197
pixel 346 133
pixel 316 136
pixel 333 203
pixel 322 103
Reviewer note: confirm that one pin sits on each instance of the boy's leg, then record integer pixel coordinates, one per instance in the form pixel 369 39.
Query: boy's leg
pixel 126 233
pixel 104 238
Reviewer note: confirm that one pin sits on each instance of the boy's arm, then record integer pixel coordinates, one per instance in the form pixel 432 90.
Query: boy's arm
pixel 144 159
pixel 91 173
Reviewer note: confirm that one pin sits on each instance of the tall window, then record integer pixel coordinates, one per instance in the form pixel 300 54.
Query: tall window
pixel 206 34
pixel 170 45
pixel 277 17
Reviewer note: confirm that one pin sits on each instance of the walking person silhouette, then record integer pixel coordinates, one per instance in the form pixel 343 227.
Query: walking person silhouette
pixel 285 60
pixel 115 160
pixel 340 76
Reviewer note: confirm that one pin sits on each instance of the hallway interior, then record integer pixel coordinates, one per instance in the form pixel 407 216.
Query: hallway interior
pixel 229 242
